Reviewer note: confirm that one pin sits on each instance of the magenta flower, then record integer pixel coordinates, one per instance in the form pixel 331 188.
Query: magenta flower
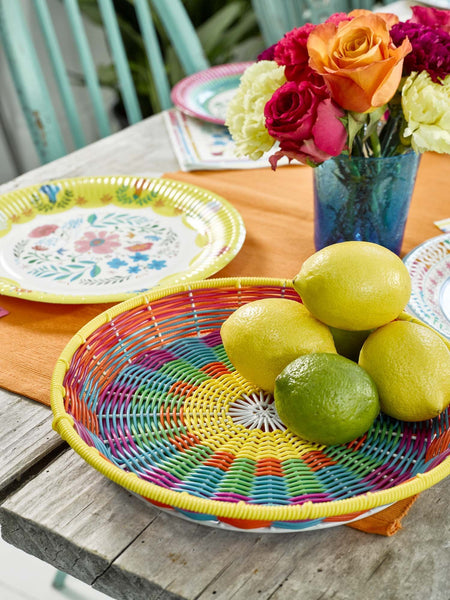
pixel 305 121
pixel 430 49
pixel 292 53
pixel 337 18
pixel 432 17
pixel 100 243
pixel 267 54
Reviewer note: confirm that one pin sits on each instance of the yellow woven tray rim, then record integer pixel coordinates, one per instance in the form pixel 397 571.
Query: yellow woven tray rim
pixel 63 424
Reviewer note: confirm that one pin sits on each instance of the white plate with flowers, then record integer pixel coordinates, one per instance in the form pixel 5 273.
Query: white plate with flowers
pixel 429 267
pixel 104 239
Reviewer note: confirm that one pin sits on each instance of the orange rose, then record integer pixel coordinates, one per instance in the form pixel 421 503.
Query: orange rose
pixel 390 18
pixel 358 61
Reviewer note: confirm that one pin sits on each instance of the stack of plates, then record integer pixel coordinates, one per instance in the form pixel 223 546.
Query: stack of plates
pixel 205 95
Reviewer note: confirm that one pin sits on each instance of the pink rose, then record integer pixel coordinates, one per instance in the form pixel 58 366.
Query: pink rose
pixel 433 17
pixel 305 121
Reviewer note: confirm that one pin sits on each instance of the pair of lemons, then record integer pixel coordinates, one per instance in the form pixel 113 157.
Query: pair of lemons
pixel 335 360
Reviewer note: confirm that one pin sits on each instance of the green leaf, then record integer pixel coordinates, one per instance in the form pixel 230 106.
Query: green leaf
pixel 355 122
pixel 91 10
pixel 131 35
pixel 373 121
pixel 248 49
pixel 241 29
pixel 107 76
pixel 213 30
pixel 95 271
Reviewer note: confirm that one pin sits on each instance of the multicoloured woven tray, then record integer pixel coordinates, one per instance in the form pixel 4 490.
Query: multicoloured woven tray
pixel 146 394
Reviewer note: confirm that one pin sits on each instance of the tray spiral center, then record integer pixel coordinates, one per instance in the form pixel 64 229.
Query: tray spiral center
pixel 256 411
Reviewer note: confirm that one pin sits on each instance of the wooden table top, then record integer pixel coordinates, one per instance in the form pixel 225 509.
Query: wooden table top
pixel 93 529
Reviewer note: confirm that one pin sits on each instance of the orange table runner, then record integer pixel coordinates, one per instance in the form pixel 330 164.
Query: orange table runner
pixel 277 209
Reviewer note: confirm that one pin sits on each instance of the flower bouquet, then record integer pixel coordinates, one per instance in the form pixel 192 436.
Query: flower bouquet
pixel 360 97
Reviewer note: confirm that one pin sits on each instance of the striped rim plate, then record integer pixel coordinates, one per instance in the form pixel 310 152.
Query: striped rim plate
pixel 205 95
pixel 429 267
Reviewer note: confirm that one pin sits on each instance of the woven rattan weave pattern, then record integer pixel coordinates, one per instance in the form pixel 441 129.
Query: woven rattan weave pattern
pixel 146 394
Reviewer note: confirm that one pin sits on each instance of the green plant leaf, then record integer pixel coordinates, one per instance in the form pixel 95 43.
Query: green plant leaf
pixel 91 10
pixel 227 29
pixel 355 122
pixel 247 49
pixel 107 76
pixel 373 121
pixel 212 31
pixel 242 29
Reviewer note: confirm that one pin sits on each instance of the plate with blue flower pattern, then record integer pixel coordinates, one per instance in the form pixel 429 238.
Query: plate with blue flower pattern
pixel 105 239
pixel 429 267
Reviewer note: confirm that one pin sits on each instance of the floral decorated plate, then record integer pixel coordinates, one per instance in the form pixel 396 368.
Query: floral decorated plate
pixel 104 239
pixel 206 94
pixel 429 267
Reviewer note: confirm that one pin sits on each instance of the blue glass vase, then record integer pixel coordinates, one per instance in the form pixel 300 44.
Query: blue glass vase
pixel 364 199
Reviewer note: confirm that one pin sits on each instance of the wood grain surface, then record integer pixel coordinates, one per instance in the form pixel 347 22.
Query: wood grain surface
pixel 82 523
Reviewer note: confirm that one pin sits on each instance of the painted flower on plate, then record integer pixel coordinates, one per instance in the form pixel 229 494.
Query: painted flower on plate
pixel 42 231
pixel 139 247
pixel 98 242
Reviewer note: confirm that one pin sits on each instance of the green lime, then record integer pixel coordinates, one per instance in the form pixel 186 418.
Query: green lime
pixel 326 398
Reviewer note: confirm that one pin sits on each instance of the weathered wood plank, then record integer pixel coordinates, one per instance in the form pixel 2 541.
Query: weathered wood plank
pixel 26 437
pixel 337 563
pixel 73 517
pixel 141 149
pixel 179 557
pixel 79 521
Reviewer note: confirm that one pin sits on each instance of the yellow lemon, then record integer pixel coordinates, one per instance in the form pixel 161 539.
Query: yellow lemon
pixel 262 337
pixel 410 365
pixel 354 285
pixel 326 398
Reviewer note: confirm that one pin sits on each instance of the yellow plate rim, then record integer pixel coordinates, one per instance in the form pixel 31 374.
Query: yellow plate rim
pixel 15 204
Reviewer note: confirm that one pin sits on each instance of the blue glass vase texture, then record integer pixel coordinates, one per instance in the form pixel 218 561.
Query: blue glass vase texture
pixel 365 199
